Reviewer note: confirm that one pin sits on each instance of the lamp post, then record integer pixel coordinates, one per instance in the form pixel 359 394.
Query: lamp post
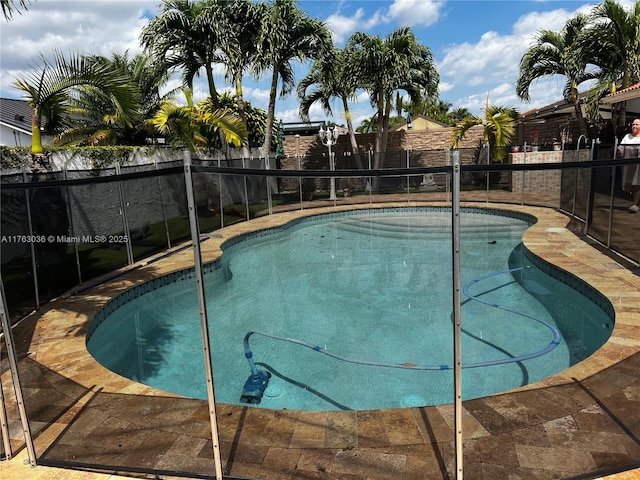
pixel 409 123
pixel 329 138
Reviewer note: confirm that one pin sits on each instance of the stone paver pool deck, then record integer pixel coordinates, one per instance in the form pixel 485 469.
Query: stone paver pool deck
pixel 581 423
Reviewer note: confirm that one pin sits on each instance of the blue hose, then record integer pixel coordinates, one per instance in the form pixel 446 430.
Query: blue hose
pixel 554 343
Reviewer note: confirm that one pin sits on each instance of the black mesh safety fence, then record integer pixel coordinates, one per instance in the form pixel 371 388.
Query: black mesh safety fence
pixel 17 254
pixel 62 229
pixel 610 221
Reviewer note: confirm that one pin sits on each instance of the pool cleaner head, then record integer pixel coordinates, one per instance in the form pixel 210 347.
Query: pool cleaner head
pixel 257 382
pixel 254 387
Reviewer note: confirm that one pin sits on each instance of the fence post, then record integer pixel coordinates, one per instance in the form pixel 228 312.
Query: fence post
pixel 246 191
pixel 125 221
pixel 524 172
pixel 457 323
pixel 612 193
pixel 204 321
pixel 164 213
pixel 70 211
pixel 4 425
pixel 34 266
pixel 15 375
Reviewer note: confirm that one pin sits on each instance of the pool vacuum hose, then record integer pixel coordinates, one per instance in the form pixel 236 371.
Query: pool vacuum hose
pixel 257 382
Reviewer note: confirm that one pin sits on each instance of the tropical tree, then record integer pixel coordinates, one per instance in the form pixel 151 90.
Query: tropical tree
pixel 558 53
pixel 287 35
pixel 96 122
pixel 49 91
pixel 238 49
pixel 613 44
pixel 384 66
pixel 187 36
pixel 368 125
pixel 499 126
pixel 254 118
pixel 10 6
pixel 431 107
pixel 191 125
pixel 458 114
pixel 329 78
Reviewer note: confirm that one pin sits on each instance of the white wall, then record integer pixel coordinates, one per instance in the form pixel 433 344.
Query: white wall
pixel 13 138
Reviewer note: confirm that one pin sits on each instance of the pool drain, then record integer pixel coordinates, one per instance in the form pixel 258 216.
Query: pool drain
pixel 413 401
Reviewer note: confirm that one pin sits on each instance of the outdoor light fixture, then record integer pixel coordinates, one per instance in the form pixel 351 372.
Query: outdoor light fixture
pixel 409 124
pixel 329 138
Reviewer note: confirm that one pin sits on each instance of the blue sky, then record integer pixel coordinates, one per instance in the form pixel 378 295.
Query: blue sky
pixel 477 44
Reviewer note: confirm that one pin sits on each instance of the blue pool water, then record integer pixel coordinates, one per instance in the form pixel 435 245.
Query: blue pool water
pixel 372 287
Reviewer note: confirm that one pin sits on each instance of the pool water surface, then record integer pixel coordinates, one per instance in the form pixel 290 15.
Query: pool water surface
pixel 372 287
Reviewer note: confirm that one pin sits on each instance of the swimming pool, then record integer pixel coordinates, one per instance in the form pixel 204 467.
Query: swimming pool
pixel 372 286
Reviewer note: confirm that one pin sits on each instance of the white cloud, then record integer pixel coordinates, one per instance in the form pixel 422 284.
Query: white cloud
pixel 288 116
pixel 259 97
pixel 343 26
pixel 97 27
pixel 416 12
pixel 444 87
pixel 494 62
pixel 401 12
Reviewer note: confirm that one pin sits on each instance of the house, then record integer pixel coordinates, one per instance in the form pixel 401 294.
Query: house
pixel 15 123
pixel 557 121
pixel 419 122
pixel 629 98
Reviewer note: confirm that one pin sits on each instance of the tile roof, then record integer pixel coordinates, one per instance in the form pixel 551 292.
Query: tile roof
pixel 16 114
pixel 624 90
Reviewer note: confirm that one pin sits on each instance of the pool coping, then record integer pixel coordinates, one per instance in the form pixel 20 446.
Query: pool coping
pixel 549 239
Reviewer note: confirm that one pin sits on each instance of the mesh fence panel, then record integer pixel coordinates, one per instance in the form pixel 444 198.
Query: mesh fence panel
pixel 173 198
pixel 86 222
pixel 97 218
pixel 145 216
pixel 15 249
pixel 55 257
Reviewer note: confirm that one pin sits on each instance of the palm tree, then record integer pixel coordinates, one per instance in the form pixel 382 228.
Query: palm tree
pixel 368 125
pixel 255 119
pixel 50 88
pixel 431 107
pixel 329 78
pixel 613 44
pixel 458 114
pixel 499 125
pixel 287 35
pixel 558 53
pixel 239 44
pixel 191 125
pixel 95 122
pixel 238 47
pixel 383 67
pixel 9 6
pixel 187 36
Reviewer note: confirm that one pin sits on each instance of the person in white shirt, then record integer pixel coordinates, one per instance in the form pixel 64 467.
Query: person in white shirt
pixel 629 147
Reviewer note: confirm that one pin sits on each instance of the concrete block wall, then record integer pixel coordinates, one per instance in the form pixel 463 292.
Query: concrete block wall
pixel 430 144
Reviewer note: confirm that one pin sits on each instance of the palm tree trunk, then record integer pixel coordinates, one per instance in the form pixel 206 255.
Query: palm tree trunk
pixel 355 151
pixel 215 102
pixel 36 138
pixel 582 124
pixel 271 109
pixel 245 149
pixel 385 131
